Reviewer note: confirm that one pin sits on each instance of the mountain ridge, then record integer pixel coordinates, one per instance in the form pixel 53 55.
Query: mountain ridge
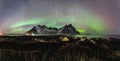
pixel 44 30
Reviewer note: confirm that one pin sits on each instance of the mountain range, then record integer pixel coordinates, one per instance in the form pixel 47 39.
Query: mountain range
pixel 44 30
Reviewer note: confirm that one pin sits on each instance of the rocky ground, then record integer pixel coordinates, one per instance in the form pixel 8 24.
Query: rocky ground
pixel 58 48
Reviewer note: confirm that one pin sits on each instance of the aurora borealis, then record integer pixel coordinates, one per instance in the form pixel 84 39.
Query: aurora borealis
pixel 88 16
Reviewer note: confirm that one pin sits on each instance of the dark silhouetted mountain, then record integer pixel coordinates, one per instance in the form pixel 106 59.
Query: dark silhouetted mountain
pixel 68 29
pixel 44 30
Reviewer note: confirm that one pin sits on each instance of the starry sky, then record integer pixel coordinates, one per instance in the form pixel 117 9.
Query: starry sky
pixel 87 16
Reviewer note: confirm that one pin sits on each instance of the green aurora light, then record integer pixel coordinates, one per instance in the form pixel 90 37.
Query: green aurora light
pixel 91 23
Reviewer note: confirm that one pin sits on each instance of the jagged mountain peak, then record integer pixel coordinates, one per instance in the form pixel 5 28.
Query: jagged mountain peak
pixel 44 30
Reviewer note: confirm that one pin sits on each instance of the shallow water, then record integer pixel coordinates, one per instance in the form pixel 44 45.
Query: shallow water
pixel 99 36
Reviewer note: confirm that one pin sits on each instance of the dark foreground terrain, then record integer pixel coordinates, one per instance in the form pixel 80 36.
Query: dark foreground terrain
pixel 58 48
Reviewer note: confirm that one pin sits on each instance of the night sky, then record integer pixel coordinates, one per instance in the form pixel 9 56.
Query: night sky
pixel 87 16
